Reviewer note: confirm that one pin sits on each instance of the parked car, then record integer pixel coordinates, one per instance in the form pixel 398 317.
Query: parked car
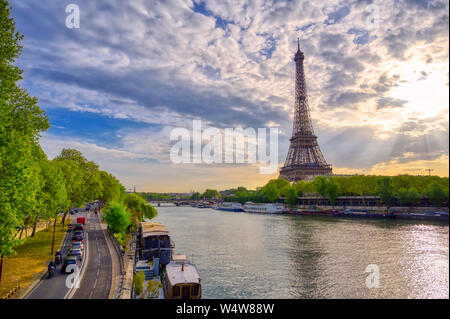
pixel 77 245
pixel 75 253
pixel 69 261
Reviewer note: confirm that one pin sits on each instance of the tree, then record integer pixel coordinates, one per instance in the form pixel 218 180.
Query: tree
pixel 90 177
pixel 139 208
pixel 21 121
pixel 54 193
pixel 112 190
pixel 385 190
pixel 195 196
pixel 320 185
pixel 332 190
pixel 73 182
pixel 291 196
pixel 436 194
pixel 117 217
pixel 211 194
pixel 270 192
pixel 414 196
pixel 403 196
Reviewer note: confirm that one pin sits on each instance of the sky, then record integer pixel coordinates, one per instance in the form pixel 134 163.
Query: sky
pixel 377 75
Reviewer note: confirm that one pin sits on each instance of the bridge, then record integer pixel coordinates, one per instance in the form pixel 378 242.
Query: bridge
pixel 181 201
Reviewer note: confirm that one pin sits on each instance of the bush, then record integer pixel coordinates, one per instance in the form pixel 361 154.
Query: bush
pixel 138 281
pixel 117 218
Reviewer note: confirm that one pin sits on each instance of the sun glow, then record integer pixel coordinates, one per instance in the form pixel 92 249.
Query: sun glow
pixel 424 88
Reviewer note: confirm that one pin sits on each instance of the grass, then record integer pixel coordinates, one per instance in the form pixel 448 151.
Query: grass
pixel 30 260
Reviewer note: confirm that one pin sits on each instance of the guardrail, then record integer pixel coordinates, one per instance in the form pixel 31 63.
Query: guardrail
pixel 12 292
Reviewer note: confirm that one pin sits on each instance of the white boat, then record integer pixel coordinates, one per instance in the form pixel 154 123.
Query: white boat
pixel 269 208
pixel 230 207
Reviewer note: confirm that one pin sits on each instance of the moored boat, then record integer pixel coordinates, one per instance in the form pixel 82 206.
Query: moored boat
pixel 269 208
pixel 180 279
pixel 230 206
pixel 155 243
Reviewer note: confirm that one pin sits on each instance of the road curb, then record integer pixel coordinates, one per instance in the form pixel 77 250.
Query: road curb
pixel 114 281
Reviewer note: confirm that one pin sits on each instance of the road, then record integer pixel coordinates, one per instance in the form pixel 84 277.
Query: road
pixel 96 283
pixel 97 278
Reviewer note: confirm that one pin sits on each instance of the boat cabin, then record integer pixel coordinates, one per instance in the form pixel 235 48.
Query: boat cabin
pixel 181 280
pixel 155 242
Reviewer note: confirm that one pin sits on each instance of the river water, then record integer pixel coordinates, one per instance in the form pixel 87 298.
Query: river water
pixel 244 255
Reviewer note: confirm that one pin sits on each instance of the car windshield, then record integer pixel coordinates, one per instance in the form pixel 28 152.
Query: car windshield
pixel 75 251
pixel 70 261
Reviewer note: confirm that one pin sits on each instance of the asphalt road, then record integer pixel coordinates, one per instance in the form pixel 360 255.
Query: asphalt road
pixel 56 287
pixel 96 281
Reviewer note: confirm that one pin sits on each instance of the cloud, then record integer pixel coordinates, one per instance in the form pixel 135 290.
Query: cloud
pixel 230 64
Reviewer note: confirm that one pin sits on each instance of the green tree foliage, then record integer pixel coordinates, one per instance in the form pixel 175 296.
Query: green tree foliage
pixel 90 174
pixel 403 196
pixel 408 197
pixel 138 281
pixel 436 194
pixel 21 121
pixel 195 196
pixel 112 190
pixel 117 217
pixel 139 208
pixel 210 194
pixel 332 190
pixel 271 192
pixel 385 190
pixel 54 193
pixel 291 196
pixel 320 185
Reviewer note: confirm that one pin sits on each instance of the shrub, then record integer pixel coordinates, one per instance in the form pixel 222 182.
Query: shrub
pixel 138 281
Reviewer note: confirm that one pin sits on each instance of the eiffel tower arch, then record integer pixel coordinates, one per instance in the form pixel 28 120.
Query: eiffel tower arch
pixel 304 160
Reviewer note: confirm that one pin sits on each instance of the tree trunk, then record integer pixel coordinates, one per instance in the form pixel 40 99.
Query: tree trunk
pixel 64 220
pixel 34 226
pixel 54 231
pixel 1 268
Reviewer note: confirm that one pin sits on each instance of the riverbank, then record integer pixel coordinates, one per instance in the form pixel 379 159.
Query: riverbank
pixel 31 259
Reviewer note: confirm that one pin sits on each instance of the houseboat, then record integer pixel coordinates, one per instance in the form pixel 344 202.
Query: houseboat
pixel 230 207
pixel 155 242
pixel 269 208
pixel 180 279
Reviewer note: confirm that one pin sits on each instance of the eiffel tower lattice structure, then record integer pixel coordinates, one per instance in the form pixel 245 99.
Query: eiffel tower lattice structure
pixel 304 160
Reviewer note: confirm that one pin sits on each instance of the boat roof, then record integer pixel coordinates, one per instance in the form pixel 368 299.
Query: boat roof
pixel 177 276
pixel 179 258
pixel 153 229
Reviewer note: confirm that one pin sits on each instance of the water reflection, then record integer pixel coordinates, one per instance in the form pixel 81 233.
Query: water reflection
pixel 242 255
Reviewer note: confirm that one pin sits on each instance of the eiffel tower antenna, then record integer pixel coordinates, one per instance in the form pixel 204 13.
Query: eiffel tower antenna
pixel 304 160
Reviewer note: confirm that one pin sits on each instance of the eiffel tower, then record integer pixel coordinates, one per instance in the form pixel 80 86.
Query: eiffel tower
pixel 304 160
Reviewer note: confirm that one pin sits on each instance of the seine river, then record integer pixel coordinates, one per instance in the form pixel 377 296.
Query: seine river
pixel 243 255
